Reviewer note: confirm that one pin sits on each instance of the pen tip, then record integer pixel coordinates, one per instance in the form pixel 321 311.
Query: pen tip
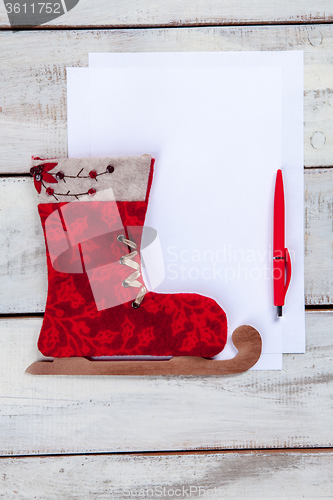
pixel 279 311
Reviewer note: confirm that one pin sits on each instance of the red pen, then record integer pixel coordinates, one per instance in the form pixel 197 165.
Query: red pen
pixel 281 257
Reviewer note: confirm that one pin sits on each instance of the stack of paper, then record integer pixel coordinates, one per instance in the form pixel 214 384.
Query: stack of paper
pixel 219 126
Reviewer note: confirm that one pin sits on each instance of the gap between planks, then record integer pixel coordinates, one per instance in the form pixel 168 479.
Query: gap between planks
pixel 18 175
pixel 240 451
pixel 23 315
pixel 172 25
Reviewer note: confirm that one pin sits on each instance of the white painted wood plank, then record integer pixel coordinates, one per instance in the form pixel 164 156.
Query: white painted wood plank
pixel 33 76
pixel 184 12
pixel 319 236
pixel 23 270
pixel 51 415
pixel 240 476
pixel 22 250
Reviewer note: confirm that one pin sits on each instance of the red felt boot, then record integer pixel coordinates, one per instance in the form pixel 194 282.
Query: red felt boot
pixel 92 212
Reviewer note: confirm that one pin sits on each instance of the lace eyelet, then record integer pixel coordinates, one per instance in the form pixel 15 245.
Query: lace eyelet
pixel 131 281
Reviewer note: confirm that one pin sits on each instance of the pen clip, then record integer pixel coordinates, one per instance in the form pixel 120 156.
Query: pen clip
pixel 288 266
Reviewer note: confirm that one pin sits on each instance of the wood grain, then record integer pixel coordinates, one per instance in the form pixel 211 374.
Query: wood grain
pixel 33 79
pixel 257 409
pixel 237 476
pixel 319 236
pixel 23 271
pixel 136 13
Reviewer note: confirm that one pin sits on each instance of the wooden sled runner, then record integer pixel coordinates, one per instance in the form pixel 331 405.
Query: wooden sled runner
pixel 245 338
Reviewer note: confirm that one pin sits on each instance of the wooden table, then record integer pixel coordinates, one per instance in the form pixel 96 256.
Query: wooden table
pixel 254 435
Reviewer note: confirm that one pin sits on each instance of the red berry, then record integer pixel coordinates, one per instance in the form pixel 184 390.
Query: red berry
pixel 50 191
pixel 33 170
pixel 110 169
pixel 60 175
pixel 92 191
pixel 93 174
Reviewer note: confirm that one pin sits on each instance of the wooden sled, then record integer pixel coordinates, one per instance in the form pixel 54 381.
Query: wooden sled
pixel 245 338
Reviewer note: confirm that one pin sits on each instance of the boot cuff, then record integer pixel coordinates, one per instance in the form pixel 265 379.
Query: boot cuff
pixel 70 179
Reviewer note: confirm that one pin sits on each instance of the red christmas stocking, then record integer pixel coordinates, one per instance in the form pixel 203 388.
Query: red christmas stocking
pixel 92 212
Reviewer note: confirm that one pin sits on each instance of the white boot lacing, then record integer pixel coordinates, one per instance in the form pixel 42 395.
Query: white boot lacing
pixel 132 279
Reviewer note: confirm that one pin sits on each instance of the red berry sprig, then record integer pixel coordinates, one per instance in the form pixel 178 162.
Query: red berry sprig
pixel 40 173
